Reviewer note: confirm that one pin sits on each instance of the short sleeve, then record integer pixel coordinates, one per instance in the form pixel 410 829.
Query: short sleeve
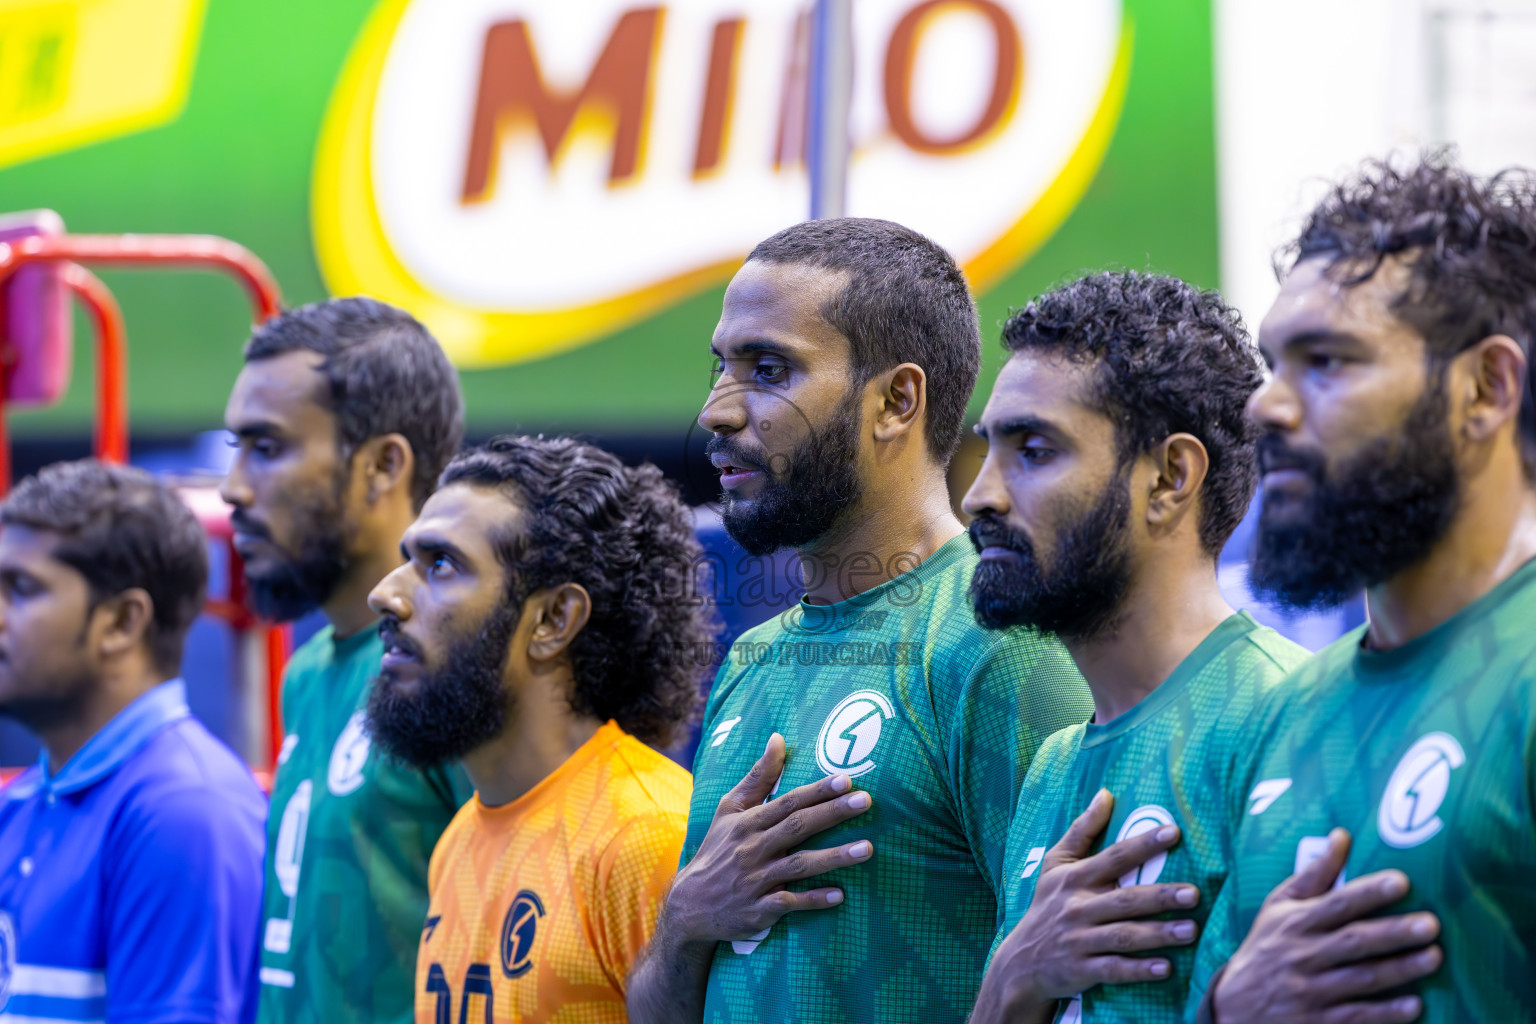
pixel 633 875
pixel 1024 688
pixel 184 906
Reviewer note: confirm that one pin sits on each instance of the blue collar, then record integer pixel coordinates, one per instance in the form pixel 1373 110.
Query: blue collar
pixel 118 740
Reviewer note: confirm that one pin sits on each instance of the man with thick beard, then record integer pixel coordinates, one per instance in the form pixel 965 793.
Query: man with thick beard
pixel 1396 773
pixel 544 629
pixel 846 353
pixel 1119 462
pixel 344 415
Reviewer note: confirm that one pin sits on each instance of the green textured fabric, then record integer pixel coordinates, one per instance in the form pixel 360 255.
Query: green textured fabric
pixel 348 840
pixel 1169 760
pixel 1426 754
pixel 938 719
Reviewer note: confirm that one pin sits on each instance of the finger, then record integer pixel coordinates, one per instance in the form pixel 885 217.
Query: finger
pixel 809 795
pixel 801 825
pixel 1317 877
pixel 776 904
pixel 1124 970
pixel 1134 937
pixel 1366 940
pixel 1110 863
pixel 1082 833
pixel 1139 901
pixel 1386 1011
pixel 808 863
pixel 1372 976
pixel 1359 898
pixel 759 781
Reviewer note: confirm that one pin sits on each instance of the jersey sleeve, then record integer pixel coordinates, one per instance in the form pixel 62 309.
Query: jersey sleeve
pixel 1024 688
pixel 633 875
pixel 183 906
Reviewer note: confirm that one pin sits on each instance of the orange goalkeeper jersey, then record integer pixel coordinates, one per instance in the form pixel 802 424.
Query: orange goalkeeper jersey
pixel 540 907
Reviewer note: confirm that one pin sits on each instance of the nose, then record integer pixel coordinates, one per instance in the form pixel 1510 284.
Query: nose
pixel 1275 406
pixel 388 598
pixel 234 488
pixel 725 411
pixel 987 493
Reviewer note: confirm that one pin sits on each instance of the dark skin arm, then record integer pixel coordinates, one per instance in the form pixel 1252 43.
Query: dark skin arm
pixel 1081 925
pixel 1315 955
pixel 735 885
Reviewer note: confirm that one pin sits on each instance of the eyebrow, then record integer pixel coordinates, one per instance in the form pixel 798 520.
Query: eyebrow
pixel 260 428
pixel 1015 425
pixel 430 544
pixel 749 348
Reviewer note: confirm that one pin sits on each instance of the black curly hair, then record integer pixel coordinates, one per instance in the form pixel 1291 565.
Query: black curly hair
pixel 623 534
pixel 1170 359
pixel 906 301
pixel 1469 244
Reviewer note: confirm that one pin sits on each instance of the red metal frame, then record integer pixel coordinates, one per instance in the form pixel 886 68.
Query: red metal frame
pixel 111 433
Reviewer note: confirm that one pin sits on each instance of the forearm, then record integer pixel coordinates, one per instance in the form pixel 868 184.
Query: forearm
pixel 667 985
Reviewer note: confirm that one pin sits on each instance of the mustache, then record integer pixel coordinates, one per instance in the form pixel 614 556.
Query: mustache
pixel 1275 454
pixel 738 453
pixel 390 633
pixel 988 531
pixel 242 522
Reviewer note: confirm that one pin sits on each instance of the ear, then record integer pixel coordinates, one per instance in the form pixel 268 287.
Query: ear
pixel 1180 464
pixel 559 613
pixel 903 400
pixel 387 464
pixel 1494 384
pixel 124 621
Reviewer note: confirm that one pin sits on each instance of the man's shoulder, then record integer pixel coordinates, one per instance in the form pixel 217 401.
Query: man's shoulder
pixel 185 766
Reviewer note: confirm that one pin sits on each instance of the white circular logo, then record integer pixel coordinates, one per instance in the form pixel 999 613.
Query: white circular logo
pixel 1144 820
pixel 1408 814
pixel 288 855
pixel 7 956
pixel 348 757
pixel 850 733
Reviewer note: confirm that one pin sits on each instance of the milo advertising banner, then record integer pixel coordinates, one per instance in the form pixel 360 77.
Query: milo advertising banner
pixel 560 189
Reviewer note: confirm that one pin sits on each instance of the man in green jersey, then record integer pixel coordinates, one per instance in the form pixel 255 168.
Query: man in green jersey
pixel 846 352
pixel 1398 451
pixel 344 415
pixel 1119 462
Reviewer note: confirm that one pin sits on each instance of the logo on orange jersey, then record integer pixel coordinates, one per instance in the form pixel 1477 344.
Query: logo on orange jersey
pixel 518 931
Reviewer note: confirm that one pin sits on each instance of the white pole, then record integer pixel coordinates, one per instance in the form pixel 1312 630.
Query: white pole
pixel 829 96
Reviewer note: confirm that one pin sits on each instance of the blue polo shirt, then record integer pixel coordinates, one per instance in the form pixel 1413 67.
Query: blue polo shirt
pixel 130 880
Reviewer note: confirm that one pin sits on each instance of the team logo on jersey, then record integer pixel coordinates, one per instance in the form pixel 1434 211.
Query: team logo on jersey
pixel 7 956
pixel 1408 814
pixel 518 930
pixel 1032 861
pixel 723 730
pixel 1072 1013
pixel 744 947
pixel 1143 820
pixel 850 733
pixel 1266 793
pixel 348 756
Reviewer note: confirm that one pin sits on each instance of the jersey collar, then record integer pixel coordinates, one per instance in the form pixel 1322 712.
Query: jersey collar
pixel 118 740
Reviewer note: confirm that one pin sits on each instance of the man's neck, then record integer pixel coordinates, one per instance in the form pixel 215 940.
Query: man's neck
pixel 1493 534
pixel 106 699
pixel 885 535
pixel 542 733
pixel 347 608
pixel 1164 617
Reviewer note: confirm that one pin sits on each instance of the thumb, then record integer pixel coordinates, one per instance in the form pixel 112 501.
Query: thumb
pixel 1317 878
pixel 754 788
pixel 1082 833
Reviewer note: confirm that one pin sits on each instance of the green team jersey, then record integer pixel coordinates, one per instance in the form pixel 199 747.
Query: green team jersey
pixel 1427 755
pixel 938 719
pixel 348 840
pixel 1170 760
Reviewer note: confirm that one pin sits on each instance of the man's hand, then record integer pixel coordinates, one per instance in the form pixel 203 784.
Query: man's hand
pixel 1081 925
pixel 735 887
pixel 1312 955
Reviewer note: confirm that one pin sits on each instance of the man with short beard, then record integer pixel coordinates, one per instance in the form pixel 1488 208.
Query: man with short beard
pixel 544 629
pixel 846 353
pixel 1119 462
pixel 1395 774
pixel 344 415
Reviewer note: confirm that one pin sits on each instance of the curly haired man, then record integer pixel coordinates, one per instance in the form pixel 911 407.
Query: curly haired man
pixel 543 630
